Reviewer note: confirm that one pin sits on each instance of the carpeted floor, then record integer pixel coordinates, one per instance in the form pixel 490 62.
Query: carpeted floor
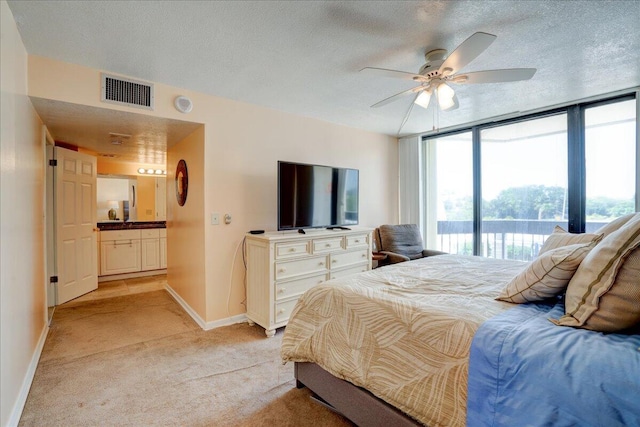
pixel 140 360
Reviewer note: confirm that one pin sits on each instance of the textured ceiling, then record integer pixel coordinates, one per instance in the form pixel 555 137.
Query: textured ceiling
pixel 119 135
pixel 304 57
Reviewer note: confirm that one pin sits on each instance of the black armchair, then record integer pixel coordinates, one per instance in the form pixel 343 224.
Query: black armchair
pixel 401 243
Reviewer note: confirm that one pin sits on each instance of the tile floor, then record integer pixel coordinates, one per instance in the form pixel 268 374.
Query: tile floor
pixel 121 287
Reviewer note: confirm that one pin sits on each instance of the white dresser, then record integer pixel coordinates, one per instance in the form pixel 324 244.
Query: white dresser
pixel 281 266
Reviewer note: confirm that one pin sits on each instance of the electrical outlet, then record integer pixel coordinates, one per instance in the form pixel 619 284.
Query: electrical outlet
pixel 215 218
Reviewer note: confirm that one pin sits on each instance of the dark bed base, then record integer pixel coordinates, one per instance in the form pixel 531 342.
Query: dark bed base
pixel 354 403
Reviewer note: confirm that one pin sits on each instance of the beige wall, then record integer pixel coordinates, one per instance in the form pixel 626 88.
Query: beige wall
pixel 22 277
pixel 146 207
pixel 242 143
pixel 241 177
pixel 186 257
pixel 116 167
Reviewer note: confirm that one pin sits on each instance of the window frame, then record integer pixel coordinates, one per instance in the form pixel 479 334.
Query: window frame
pixel 576 167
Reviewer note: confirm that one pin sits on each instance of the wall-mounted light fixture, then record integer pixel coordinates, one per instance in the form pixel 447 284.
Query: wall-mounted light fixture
pixel 143 171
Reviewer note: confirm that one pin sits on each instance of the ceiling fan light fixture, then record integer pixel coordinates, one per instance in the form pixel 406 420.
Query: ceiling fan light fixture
pixel 445 97
pixel 423 99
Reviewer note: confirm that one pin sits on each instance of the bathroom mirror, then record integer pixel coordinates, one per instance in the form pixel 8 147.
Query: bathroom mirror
pixel 138 198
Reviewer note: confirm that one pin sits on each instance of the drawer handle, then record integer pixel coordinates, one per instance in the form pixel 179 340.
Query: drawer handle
pixel 282 270
pixel 333 277
pixel 327 245
pixel 282 310
pixel 364 255
pixel 357 240
pixel 292 249
pixel 321 263
pixel 334 261
pixel 282 290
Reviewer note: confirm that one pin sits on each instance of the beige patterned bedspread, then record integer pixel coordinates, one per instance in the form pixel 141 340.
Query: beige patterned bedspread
pixel 403 331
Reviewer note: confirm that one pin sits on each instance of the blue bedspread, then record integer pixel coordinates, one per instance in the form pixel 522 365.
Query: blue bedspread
pixel 526 371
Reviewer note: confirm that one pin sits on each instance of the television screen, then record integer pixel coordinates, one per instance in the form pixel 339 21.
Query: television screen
pixel 311 196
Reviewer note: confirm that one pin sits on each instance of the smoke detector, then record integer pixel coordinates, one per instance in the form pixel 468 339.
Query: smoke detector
pixel 183 104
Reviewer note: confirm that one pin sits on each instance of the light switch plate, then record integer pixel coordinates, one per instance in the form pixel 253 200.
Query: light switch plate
pixel 215 218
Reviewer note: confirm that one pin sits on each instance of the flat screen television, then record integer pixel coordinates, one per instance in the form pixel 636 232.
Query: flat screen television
pixel 314 196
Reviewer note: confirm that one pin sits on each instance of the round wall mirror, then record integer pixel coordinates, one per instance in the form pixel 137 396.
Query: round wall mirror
pixel 182 182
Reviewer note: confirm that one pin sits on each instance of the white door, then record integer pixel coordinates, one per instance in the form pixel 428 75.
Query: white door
pixel 161 198
pixel 76 248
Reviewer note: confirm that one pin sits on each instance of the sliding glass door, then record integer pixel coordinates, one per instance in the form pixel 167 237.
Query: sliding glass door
pixel 524 186
pixel 610 154
pixel 449 162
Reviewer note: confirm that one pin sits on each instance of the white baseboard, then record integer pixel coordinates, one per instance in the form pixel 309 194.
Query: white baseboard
pixel 18 407
pixel 239 318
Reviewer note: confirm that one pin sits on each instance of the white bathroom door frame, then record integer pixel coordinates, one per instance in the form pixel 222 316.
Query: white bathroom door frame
pixel 75 207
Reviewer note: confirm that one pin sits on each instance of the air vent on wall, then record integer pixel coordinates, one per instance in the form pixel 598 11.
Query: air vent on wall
pixel 128 92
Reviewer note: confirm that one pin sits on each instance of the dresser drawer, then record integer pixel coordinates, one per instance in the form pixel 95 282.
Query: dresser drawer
pixel 348 258
pixel 151 233
pixel 291 249
pixel 292 288
pixel 357 240
pixel 327 245
pixel 110 235
pixel 301 266
pixel 349 271
pixel 284 309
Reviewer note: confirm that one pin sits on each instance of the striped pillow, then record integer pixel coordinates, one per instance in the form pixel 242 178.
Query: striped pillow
pixel 560 237
pixel 546 276
pixel 616 224
pixel 596 299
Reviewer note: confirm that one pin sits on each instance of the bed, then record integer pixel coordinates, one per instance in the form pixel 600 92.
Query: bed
pixel 392 346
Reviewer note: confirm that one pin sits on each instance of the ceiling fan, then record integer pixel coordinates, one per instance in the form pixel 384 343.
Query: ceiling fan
pixel 440 70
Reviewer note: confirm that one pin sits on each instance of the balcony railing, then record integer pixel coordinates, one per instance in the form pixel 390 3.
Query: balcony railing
pixel 504 239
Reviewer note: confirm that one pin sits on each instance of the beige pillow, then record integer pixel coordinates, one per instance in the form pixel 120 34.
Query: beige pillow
pixel 560 238
pixel 615 224
pixel 547 275
pixel 603 294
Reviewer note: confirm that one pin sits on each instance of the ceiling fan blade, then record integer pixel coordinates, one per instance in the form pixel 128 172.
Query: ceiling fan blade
pixel 398 96
pixel 394 74
pixel 495 76
pixel 466 52
pixel 406 117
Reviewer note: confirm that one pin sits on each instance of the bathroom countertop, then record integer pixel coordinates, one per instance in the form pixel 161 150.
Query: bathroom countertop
pixel 130 225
